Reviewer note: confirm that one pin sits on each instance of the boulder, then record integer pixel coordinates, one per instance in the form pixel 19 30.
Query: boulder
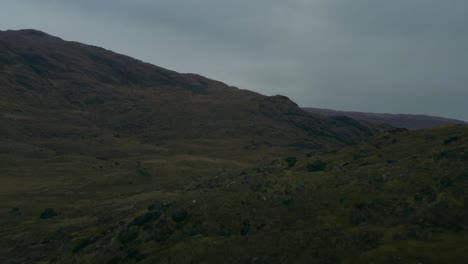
pixel 128 234
pixel 179 215
pixel 48 213
pixel 148 217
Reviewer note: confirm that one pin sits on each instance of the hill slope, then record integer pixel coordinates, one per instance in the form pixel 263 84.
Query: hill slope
pixel 400 198
pixel 54 90
pixel 105 159
pixel 395 120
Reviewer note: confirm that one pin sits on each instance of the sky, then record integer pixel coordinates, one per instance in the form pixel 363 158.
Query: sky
pixel 398 56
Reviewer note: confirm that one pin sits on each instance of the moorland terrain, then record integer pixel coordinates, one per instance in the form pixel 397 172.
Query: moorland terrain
pixel 107 159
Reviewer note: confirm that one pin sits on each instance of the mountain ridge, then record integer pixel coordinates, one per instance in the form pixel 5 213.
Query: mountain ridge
pixel 408 121
pixel 82 84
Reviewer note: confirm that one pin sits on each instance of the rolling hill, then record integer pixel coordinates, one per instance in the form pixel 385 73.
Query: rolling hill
pixel 396 120
pixel 53 89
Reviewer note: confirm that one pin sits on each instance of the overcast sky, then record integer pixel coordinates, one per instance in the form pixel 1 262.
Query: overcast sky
pixel 397 56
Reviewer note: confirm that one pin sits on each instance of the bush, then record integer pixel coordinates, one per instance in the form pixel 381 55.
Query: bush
pixel 451 139
pixel 48 213
pixel 128 234
pixel 291 161
pixel 317 165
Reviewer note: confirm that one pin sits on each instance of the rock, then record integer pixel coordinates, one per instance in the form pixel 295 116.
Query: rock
pixel 48 213
pixel 288 201
pixel 261 260
pixel 156 205
pixel 451 139
pixel 135 254
pixel 446 216
pixel 359 216
pixel 445 182
pixel 381 178
pixel 260 226
pixel 225 231
pixel 245 227
pixel 316 166
pixel 300 188
pixel 369 239
pixel 245 201
pixel 115 260
pixel 128 234
pixel 143 172
pixel 148 217
pixel 15 211
pixel 291 161
pixel 179 215
pixel 84 243
pixel 428 192
pixel 259 188
pixel 163 234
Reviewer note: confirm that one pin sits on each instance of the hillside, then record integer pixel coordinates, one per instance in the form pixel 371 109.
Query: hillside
pixel 106 159
pixel 396 120
pixel 58 90
pixel 400 198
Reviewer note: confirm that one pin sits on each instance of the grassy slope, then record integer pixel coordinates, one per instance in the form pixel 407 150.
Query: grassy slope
pixel 51 89
pixel 98 137
pixel 399 199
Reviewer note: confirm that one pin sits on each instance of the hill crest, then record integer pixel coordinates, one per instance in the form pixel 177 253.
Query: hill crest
pixel 408 121
pixel 65 88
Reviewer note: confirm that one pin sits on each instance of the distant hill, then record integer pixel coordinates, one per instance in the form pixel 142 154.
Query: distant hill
pixel 396 120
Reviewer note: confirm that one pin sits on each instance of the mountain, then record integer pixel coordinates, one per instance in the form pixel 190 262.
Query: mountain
pixel 89 126
pixel 396 120
pixel 54 89
pixel 106 159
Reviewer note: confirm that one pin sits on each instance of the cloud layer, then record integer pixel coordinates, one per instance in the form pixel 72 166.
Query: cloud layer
pixel 400 56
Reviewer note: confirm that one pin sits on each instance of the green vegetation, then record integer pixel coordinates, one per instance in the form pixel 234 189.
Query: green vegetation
pixel 105 159
pixel 317 165
pixel 193 208
pixel 291 161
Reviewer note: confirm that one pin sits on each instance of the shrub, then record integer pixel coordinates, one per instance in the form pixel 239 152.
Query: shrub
pixel 48 213
pixel 451 139
pixel 291 161
pixel 317 165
